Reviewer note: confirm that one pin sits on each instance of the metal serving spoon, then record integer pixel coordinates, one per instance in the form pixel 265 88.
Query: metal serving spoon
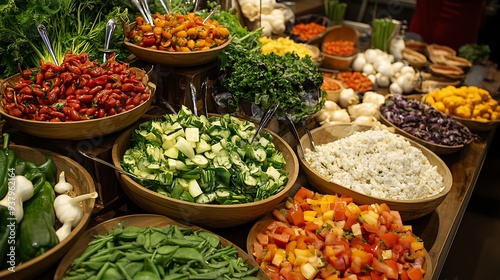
pixel 110 29
pixel 295 133
pixel 211 14
pixel 265 119
pixel 45 37
pixel 96 159
pixel 143 12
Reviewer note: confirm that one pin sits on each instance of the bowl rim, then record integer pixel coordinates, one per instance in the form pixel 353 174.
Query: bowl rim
pixel 127 42
pixel 291 179
pixel 442 193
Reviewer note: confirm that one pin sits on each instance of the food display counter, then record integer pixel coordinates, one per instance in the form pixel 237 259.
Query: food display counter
pixel 191 86
pixel 437 229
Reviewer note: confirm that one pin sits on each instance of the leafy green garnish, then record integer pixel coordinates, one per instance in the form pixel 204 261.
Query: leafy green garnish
pixel 474 53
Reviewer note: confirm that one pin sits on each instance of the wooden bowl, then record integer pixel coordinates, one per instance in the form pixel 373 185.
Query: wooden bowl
pixel 204 215
pixel 436 148
pixel 319 19
pixel 261 225
pixel 172 59
pixel 83 183
pixel 473 125
pixel 409 209
pixel 334 95
pixel 335 33
pixel 139 220
pixel 478 126
pixel 80 129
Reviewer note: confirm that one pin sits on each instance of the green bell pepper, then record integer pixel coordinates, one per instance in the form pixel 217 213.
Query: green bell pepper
pixel 50 170
pixel 7 225
pixel 6 163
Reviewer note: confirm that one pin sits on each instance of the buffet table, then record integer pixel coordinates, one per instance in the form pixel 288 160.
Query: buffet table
pixel 437 229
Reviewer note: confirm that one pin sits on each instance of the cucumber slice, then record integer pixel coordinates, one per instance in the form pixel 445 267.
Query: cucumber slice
pixel 194 189
pixel 185 147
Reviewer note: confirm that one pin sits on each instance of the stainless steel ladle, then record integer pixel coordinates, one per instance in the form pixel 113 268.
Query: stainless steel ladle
pixel 265 119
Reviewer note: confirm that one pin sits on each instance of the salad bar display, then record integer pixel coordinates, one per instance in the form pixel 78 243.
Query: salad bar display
pixel 279 163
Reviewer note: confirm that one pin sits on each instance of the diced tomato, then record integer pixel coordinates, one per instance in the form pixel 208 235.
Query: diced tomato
pixel 258 251
pixel 375 275
pixel 263 238
pixel 277 227
pixel 280 239
pixel 296 216
pixel 346 199
pixel 389 239
pixel 371 228
pixel 311 226
pixel 351 220
pixel 279 216
pixel 327 271
pixel 272 271
pixel 302 194
pixel 359 260
pixel 415 273
pixel 385 269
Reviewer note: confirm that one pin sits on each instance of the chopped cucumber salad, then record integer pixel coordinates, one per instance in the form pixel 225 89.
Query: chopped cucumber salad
pixel 206 160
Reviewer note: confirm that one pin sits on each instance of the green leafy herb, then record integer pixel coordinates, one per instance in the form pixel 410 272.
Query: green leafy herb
pixel 474 53
pixel 77 26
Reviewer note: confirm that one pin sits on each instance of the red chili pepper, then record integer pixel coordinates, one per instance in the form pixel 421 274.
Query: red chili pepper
pixel 15 112
pixel 85 98
pixel 57 81
pixel 94 90
pixel 52 95
pixel 25 90
pixel 74 69
pixel 82 91
pixel 101 80
pixel 129 107
pixel 39 78
pixel 57 114
pixel 127 87
pixel 49 74
pixel 71 90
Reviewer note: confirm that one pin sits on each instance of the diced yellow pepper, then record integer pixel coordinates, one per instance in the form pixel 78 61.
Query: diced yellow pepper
pixel 332 277
pixel 417 245
pixel 279 257
pixel 308 271
pixel 328 215
pixel 310 215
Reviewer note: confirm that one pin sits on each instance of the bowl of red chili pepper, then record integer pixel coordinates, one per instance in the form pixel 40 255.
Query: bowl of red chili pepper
pixel 77 99
pixel 176 40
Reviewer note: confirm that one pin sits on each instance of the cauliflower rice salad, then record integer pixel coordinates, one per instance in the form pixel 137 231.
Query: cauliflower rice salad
pixel 377 163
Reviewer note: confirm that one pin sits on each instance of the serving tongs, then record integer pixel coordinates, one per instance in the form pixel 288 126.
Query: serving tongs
pixel 110 29
pixel 45 37
pixel 265 119
pixel 142 6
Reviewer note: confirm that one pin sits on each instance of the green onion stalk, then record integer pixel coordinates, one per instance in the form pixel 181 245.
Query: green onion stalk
pixel 335 11
pixel 382 33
